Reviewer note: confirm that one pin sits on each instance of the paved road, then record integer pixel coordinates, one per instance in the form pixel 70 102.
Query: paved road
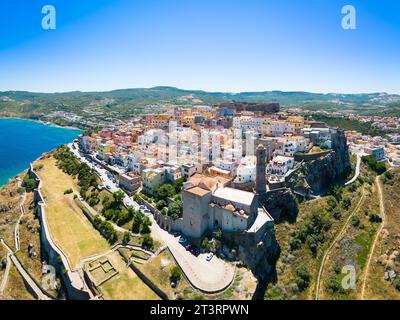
pixel 104 176
pixel 371 253
pixel 207 276
pixel 357 173
pixel 337 238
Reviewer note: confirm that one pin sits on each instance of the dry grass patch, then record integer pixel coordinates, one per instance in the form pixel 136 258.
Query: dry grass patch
pixel 70 229
pixel 16 289
pixel 126 285
pixel 9 210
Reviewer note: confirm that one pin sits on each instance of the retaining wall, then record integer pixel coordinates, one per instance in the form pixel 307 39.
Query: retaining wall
pixel 73 280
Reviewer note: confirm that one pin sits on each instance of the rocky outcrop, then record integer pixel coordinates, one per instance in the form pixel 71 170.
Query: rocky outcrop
pixel 260 255
pixel 257 251
pixel 317 176
pixel 281 204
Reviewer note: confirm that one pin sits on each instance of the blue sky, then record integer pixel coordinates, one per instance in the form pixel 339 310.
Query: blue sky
pixel 213 45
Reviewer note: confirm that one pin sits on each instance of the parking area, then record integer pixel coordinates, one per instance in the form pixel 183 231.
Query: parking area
pixel 210 276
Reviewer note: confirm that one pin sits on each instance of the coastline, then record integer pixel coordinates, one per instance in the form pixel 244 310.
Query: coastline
pixel 9 169
pixel 42 122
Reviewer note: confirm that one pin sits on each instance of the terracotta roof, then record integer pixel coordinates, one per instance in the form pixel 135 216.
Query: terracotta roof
pixel 198 191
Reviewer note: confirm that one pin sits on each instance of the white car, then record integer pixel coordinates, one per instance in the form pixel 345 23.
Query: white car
pixel 210 256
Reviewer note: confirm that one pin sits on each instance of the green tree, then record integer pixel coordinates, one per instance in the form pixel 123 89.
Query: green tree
pixel 29 184
pixel 175 273
pixel 137 221
pixel 147 241
pixel 164 191
pixel 161 204
pixel 302 278
pixel 126 238
pixel 175 210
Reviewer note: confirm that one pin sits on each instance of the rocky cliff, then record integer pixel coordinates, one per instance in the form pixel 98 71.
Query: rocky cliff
pixel 317 176
pixel 281 204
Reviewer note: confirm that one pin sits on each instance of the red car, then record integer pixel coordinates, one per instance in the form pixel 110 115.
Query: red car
pixel 189 248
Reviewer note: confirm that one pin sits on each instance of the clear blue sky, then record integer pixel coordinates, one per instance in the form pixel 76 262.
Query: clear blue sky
pixel 214 45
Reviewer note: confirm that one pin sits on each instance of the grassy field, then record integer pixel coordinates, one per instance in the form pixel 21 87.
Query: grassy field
pixel 126 285
pixel 388 243
pixel 69 227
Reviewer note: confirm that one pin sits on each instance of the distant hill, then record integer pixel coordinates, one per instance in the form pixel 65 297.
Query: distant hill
pixel 125 102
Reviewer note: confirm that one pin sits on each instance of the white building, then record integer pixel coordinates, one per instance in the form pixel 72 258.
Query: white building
pixel 246 171
pixel 280 165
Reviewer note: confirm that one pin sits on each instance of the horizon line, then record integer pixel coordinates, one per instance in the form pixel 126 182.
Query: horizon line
pixel 201 90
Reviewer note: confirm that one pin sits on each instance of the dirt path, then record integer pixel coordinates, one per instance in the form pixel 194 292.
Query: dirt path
pixel 371 253
pixel 16 231
pixel 338 237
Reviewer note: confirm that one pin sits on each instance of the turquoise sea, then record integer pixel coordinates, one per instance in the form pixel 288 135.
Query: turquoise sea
pixel 22 141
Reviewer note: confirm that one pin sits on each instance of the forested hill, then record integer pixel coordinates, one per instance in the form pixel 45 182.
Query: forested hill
pixel 22 103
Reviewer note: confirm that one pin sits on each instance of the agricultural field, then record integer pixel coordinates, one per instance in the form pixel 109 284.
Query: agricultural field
pixel 71 230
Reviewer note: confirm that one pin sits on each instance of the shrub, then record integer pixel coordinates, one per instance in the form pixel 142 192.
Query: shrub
pixel 107 230
pixel 68 191
pixel 334 285
pixel 175 273
pixel 375 218
pixel 303 278
pixel 175 210
pixel 355 221
pixel 164 191
pixel 346 203
pixel 29 184
pixel 336 213
pixel 126 238
pixel 396 284
pixel 161 204
pixel 377 167
pixel 147 241
pixel 206 244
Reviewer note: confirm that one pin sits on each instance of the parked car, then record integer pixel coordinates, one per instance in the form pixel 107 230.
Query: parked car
pixel 189 247
pixel 142 207
pixel 210 256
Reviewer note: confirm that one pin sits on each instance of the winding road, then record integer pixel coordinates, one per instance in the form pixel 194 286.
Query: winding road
pixel 357 173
